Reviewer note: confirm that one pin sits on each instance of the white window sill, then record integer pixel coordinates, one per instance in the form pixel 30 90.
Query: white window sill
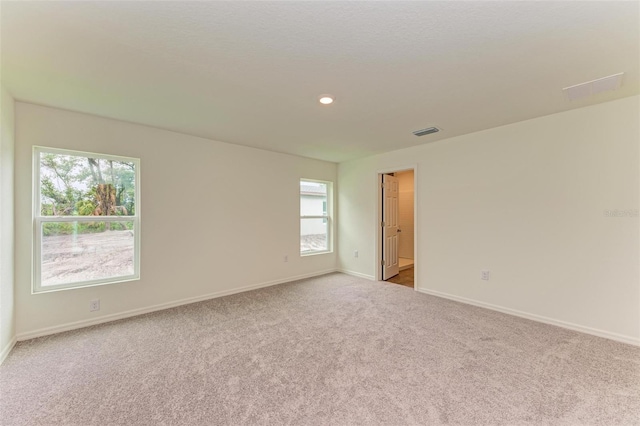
pixel 85 284
pixel 313 253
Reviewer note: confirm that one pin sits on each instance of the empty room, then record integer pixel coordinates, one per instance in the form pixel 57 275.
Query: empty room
pixel 319 213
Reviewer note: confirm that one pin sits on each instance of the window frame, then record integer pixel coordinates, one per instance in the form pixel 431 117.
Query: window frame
pixel 327 216
pixel 38 220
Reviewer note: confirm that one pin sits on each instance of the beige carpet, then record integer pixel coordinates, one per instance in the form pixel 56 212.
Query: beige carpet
pixel 333 350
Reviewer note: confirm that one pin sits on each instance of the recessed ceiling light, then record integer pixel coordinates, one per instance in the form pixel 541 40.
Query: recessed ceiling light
pixel 326 99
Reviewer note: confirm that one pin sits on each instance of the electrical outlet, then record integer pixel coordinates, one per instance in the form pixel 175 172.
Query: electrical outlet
pixel 355 253
pixel 94 305
pixel 485 274
pixel 286 257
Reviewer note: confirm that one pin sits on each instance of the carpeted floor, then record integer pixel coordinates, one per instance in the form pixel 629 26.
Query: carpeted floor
pixel 332 350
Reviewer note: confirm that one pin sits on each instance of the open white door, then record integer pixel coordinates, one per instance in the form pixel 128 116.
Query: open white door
pixel 390 266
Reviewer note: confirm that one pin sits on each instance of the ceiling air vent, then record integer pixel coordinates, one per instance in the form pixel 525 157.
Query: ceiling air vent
pixel 426 131
pixel 593 87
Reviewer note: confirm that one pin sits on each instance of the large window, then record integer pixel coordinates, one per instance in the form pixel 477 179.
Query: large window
pixel 315 217
pixel 86 219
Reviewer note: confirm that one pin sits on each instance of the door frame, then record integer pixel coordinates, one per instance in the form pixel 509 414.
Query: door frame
pixel 378 228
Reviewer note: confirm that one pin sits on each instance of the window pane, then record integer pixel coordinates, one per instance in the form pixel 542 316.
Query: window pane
pixel 313 235
pixel 72 185
pixel 86 251
pixel 313 198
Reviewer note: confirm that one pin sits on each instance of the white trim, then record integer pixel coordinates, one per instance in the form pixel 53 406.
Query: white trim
pixel 538 318
pixel 85 284
pixel 397 169
pixel 328 216
pixel 135 312
pixel 7 349
pixel 65 151
pixel 67 219
pixel 315 252
pixel 357 274
pixel 38 220
pixel 378 231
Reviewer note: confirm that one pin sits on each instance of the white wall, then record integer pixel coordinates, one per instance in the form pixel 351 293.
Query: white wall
pixel 405 213
pixel 7 308
pixel 528 202
pixel 216 217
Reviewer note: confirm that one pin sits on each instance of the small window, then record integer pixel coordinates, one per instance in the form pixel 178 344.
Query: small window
pixel 315 220
pixel 86 219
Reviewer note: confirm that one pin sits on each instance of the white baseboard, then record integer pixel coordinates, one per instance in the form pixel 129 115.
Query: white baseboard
pixel 7 349
pixel 357 274
pixel 134 312
pixel 575 327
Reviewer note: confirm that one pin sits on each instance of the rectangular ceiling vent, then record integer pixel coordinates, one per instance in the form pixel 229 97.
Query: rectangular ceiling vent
pixel 593 87
pixel 426 131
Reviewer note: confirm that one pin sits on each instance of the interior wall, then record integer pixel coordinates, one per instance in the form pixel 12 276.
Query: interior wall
pixel 405 216
pixel 549 206
pixel 215 217
pixel 7 304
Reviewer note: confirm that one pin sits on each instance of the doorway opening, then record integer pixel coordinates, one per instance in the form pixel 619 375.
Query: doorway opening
pixel 397 244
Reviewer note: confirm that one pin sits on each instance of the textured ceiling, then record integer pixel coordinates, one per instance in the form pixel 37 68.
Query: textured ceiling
pixel 250 72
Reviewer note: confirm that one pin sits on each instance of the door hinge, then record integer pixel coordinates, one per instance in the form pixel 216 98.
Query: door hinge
pixel 382 185
pixel 382 224
pixel 382 262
